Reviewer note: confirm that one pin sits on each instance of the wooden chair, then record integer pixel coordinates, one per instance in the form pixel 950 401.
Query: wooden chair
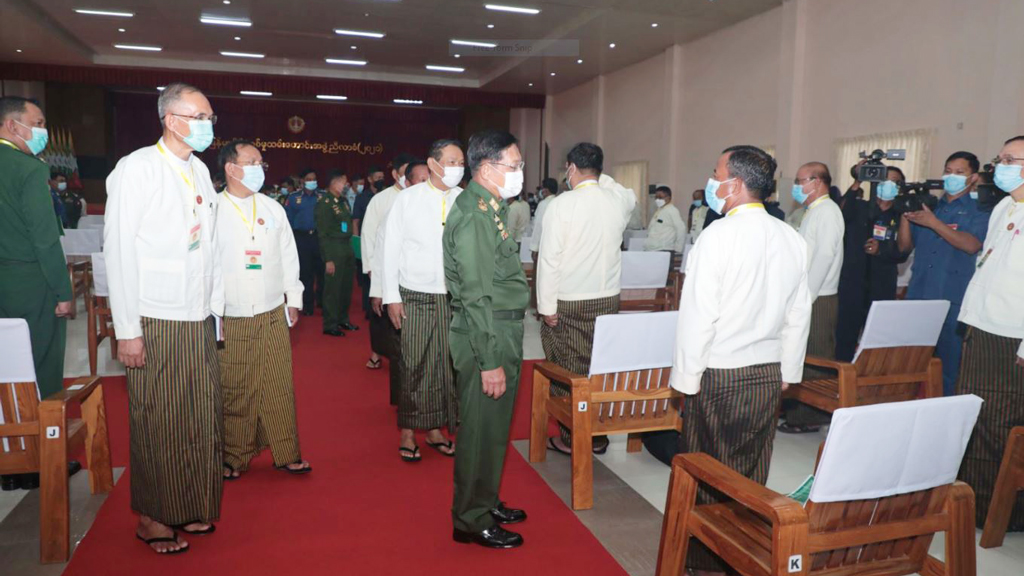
pixel 884 529
pixel 100 318
pixel 78 246
pixel 647 284
pixel 37 436
pixel 894 361
pixel 627 392
pixel 1008 483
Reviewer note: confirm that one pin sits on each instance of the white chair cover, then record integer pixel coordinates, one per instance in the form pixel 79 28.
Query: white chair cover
pixel 99 275
pixel 627 342
pixel 82 242
pixel 16 363
pixel 91 221
pixel 524 251
pixel 894 448
pixel 630 234
pixel 645 270
pixel 90 226
pixel 636 244
pixel 893 323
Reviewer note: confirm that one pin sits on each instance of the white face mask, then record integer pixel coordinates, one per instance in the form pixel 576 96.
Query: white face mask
pixel 401 182
pixel 452 174
pixel 513 185
pixel 659 203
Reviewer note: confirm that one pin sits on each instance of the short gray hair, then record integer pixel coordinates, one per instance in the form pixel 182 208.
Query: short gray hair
pixel 171 95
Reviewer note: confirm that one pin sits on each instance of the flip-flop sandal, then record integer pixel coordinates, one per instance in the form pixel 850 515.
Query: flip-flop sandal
pixel 232 471
pixel 438 445
pixel 603 447
pixel 788 428
pixel 150 541
pixel 209 530
pixel 305 470
pixel 553 446
pixel 413 454
pixel 373 364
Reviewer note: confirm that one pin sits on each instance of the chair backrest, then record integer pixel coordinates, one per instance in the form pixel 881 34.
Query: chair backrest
pixel 92 221
pixel 99 275
pixel 887 463
pixel 19 395
pixel 645 270
pixel 636 244
pixel 525 256
pixel 902 323
pixel 628 234
pixel 82 242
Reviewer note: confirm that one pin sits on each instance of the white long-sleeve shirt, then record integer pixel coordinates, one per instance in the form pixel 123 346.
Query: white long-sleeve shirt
pixel 538 223
pixel 745 300
pixel 371 233
pixel 666 230
pixel 261 265
pixel 823 228
pixel 992 302
pixel 159 240
pixel 580 253
pixel 518 219
pixel 412 251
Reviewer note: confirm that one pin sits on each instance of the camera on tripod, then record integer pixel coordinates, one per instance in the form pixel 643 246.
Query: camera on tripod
pixel 872 170
pixel 914 196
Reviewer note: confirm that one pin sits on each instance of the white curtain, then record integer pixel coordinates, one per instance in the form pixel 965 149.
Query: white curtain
pixel 633 175
pixel 917 143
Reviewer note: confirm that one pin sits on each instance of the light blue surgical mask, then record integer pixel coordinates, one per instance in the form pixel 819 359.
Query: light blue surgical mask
pixel 359 188
pixel 311 185
pixel 888 190
pixel 711 194
pixel 200 135
pixel 974 195
pixel 798 194
pixel 954 183
pixel 697 203
pixel 37 143
pixel 253 177
pixel 62 186
pixel 1008 177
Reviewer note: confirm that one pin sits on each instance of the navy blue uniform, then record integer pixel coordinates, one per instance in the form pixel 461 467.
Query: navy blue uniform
pixel 300 207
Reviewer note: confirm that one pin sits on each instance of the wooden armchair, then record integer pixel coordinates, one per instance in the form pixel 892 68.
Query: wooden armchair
pixel 647 282
pixel 78 246
pixel 759 532
pixel 894 362
pixel 1008 483
pixel 37 437
pixel 100 318
pixel 627 393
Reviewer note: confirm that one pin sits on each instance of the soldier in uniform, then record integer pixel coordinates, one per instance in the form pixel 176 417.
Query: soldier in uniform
pixel 300 207
pixel 489 299
pixel 334 230
pixel 71 201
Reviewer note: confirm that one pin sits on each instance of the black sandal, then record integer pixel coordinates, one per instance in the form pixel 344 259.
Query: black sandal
pixel 372 364
pixel 413 454
pixel 174 538
pixel 788 428
pixel 305 470
pixel 553 446
pixel 209 530
pixel 438 445
pixel 232 471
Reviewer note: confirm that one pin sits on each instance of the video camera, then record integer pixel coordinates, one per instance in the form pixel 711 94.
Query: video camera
pixel 988 193
pixel 872 170
pixel 914 196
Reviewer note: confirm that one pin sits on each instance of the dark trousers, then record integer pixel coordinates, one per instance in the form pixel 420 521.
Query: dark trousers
pixel 364 286
pixel 337 298
pixel 311 269
pixel 949 349
pixel 24 293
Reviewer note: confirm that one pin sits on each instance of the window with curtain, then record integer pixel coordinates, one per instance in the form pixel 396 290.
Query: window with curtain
pixel 917 143
pixel 633 175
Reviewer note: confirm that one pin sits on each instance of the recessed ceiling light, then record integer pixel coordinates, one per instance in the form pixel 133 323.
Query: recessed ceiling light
pixel 404 101
pixel 161 88
pixel 254 93
pixel 490 25
pixel 474 43
pixel 138 47
pixel 227 1
pixel 114 13
pixel 516 9
pixel 579 61
pixel 531 84
pixel 552 73
pixel 458 55
pixel 654 24
pixel 329 97
pixel 241 54
pixel 347 62
pixel 353 47
pixel 612 45
pixel 120 29
pixel 343 32
pixel 367 14
pixel 238 38
pixel 445 68
pixel 18 50
pixel 225 21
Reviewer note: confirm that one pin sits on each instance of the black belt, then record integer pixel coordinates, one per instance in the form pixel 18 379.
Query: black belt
pixel 310 232
pixel 509 314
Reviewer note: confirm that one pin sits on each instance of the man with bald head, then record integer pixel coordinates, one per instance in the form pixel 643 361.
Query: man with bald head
pixel 165 285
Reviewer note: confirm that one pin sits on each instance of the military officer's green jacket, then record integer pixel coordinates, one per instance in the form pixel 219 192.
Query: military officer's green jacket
pixel 482 270
pixel 28 231
pixel 333 226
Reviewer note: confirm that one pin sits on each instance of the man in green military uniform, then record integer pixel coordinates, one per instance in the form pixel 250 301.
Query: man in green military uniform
pixel 489 298
pixel 72 201
pixel 34 282
pixel 334 229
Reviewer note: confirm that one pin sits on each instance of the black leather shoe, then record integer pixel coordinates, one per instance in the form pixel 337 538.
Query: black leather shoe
pixel 74 467
pixel 348 326
pixel 503 515
pixel 9 482
pixel 493 537
pixel 29 481
pixel 334 332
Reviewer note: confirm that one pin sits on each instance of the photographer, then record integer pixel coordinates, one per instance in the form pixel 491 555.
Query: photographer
pixel 993 363
pixel 870 257
pixel 946 242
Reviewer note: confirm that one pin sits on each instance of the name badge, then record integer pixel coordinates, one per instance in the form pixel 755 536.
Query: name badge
pixel 953 227
pixel 253 259
pixel 879 232
pixel 344 227
pixel 194 236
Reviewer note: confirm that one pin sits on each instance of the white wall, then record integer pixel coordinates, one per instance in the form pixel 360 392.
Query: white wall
pixel 525 125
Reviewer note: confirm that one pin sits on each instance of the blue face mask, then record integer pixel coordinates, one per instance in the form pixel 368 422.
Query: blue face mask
pixel 37 143
pixel 253 177
pixel 62 186
pixel 887 190
pixel 974 195
pixel 200 135
pixel 359 188
pixel 711 194
pixel 697 203
pixel 1008 177
pixel 310 185
pixel 954 183
pixel 798 194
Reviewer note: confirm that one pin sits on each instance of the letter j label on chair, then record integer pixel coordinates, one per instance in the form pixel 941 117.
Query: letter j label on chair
pixel 53 432
pixel 582 407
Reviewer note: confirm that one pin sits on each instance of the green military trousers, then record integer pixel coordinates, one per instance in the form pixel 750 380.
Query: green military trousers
pixel 338 287
pixel 24 293
pixel 484 425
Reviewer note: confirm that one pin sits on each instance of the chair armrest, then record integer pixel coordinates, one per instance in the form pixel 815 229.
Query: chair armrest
pixel 556 373
pixel 87 383
pixel 778 509
pixel 825 362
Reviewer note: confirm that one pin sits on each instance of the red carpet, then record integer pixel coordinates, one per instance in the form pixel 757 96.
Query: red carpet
pixel 361 512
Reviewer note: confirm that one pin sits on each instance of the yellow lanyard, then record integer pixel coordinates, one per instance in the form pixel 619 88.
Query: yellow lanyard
pixel 815 203
pixel 745 207
pixel 9 143
pixel 249 224
pixel 189 181
pixel 585 184
pixel 444 202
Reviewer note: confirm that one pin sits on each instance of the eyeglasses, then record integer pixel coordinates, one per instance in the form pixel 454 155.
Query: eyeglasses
pixel 515 167
pixel 1006 159
pixel 263 165
pixel 212 118
pixel 798 181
